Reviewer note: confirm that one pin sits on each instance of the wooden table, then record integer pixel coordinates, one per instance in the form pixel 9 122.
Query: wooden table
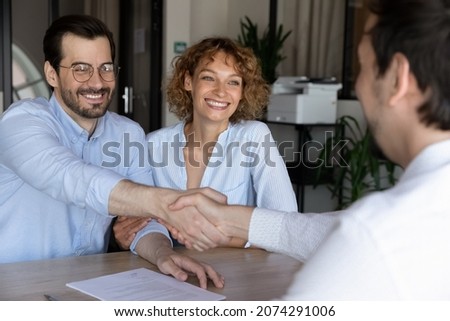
pixel 250 274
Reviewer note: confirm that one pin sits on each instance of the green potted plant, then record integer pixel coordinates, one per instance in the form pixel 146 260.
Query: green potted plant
pixel 359 168
pixel 266 49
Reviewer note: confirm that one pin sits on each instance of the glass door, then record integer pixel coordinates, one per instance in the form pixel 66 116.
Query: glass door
pixel 21 56
pixel 5 55
pixel 139 86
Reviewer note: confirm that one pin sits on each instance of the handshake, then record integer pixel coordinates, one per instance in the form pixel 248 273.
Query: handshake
pixel 201 219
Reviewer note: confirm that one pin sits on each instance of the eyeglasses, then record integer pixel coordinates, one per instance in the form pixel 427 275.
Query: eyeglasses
pixel 84 72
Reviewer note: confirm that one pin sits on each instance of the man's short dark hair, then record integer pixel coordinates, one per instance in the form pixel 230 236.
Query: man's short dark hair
pixel 419 29
pixel 83 26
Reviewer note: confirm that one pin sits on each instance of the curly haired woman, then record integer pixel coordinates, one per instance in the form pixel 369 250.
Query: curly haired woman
pixel 218 93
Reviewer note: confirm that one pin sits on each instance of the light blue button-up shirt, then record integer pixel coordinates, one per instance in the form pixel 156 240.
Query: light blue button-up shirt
pixel 55 181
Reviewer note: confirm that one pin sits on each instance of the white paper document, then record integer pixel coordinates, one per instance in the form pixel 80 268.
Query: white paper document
pixel 142 285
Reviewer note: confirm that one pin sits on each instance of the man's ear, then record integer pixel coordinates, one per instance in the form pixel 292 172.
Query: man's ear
pixel 50 74
pixel 401 77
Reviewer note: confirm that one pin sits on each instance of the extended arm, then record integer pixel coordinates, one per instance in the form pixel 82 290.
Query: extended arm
pixel 294 234
pixel 39 158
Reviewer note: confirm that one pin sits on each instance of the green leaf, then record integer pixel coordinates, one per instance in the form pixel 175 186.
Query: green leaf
pixel 266 49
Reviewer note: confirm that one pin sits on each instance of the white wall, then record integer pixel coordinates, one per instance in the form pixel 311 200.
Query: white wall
pixel 351 107
pixel 208 18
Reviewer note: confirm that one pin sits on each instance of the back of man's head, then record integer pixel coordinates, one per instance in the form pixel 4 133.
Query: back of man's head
pixel 419 29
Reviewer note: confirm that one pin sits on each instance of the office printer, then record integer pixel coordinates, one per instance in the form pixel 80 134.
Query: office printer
pixel 303 100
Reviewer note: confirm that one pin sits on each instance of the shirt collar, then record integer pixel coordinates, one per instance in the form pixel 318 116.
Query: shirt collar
pixel 430 158
pixel 73 130
pixel 100 128
pixel 222 136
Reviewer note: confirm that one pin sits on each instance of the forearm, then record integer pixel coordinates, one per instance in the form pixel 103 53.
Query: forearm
pixel 235 221
pixel 132 199
pixel 294 234
pixel 152 246
pixel 237 242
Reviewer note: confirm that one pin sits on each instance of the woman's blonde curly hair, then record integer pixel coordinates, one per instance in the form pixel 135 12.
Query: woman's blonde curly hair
pixel 255 93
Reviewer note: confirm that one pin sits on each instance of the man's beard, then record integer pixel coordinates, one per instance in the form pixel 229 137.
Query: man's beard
pixel 96 110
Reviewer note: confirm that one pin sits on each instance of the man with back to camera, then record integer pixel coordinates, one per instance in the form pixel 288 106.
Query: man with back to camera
pixel 57 195
pixel 393 244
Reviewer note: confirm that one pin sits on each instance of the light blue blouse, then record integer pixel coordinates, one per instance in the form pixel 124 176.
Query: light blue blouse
pixel 55 181
pixel 245 165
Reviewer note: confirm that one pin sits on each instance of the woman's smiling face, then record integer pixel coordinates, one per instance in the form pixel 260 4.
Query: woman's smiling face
pixel 216 89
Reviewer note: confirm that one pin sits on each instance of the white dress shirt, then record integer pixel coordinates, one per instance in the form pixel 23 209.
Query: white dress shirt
pixel 389 245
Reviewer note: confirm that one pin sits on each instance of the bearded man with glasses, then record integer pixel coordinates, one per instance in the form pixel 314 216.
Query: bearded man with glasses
pixel 59 191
